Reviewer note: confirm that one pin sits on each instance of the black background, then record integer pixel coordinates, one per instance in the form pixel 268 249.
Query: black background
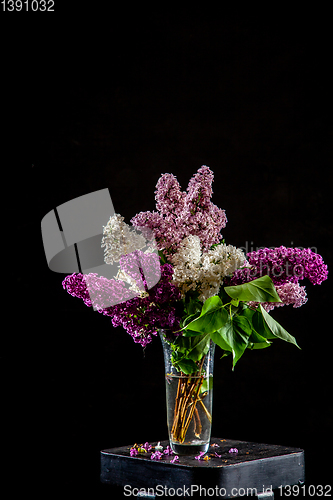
pixel 96 98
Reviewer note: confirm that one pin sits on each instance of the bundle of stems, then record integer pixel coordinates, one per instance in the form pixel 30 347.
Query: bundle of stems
pixel 187 398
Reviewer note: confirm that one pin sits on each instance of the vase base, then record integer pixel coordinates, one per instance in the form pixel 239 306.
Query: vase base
pixel 189 449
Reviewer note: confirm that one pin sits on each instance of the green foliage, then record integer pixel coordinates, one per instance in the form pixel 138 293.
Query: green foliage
pixel 259 290
pixel 227 320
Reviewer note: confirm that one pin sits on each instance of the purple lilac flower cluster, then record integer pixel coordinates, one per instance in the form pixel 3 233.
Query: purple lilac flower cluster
pixel 283 265
pixel 95 290
pixel 180 214
pixel 286 267
pixel 141 317
pixel 76 286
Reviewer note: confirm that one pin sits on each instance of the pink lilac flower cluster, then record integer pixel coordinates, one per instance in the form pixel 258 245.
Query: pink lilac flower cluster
pixel 180 214
pixel 141 317
pixel 286 267
pixel 289 293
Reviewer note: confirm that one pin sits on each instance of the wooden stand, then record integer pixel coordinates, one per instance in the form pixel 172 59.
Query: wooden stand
pixel 256 470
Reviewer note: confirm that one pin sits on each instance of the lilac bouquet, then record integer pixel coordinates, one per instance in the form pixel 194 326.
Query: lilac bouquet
pixel 189 282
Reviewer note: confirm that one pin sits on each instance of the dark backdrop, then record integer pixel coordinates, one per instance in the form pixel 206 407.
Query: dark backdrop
pixel 114 100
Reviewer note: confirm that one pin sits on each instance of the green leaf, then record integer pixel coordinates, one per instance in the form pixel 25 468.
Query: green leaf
pixel 259 345
pixel 180 344
pixel 186 351
pixel 220 341
pixel 192 304
pixel 187 366
pixel 258 339
pixel 236 333
pixel 276 329
pixel 242 324
pixel 207 385
pixel 162 257
pixel 246 311
pixel 213 316
pixel 224 296
pixel 259 290
pixel 199 347
pixel 260 326
pixel 191 333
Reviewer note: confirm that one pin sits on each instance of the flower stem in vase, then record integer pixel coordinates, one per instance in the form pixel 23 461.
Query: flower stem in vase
pixel 185 410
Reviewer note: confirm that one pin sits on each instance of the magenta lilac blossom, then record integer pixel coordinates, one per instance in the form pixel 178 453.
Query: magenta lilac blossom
pixel 283 265
pixel 141 317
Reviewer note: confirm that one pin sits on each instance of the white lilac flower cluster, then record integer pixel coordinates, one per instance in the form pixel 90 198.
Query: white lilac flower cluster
pixel 119 239
pixel 204 272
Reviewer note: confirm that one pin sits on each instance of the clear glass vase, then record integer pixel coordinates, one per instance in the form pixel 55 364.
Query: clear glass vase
pixel 189 402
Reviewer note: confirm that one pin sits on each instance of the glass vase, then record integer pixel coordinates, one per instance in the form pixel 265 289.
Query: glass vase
pixel 189 402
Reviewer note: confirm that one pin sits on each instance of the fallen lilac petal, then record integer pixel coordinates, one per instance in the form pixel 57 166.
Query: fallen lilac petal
pixel 233 450
pixel 199 457
pixel 156 456
pixel 217 455
pixel 133 452
pixel 147 446
pixel 175 459
pixel 168 451
pixel 158 447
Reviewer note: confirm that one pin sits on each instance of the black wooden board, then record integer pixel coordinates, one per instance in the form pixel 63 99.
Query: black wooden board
pixel 256 466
